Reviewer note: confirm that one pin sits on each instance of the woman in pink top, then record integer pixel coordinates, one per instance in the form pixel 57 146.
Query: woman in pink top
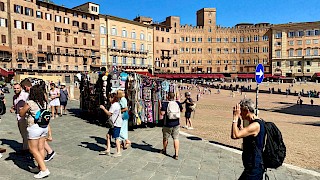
pixel 54 99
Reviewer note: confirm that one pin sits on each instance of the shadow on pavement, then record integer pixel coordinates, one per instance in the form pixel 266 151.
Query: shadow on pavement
pixel 226 145
pixel 92 146
pixel 145 146
pixel 310 123
pixel 23 161
pixel 296 109
pixel 96 118
pixel 96 147
pixel 99 140
pixel 194 138
pixel 15 145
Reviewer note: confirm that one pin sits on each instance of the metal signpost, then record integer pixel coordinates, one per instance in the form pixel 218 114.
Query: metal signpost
pixel 259 79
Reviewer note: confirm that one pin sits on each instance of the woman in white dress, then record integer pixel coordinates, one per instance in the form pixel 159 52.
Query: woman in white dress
pixel 54 99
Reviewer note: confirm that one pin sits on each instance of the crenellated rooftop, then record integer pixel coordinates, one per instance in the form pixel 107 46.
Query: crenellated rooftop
pixel 244 26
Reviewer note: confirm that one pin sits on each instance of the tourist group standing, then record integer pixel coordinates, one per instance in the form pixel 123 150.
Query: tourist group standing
pixel 30 104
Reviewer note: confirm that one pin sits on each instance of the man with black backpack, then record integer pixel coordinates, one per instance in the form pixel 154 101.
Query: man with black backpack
pixel 263 146
pixel 253 139
pixel 171 125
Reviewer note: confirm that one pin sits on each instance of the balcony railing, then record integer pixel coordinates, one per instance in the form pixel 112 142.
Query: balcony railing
pixel 20 59
pixel 165 56
pixel 126 49
pixel 31 60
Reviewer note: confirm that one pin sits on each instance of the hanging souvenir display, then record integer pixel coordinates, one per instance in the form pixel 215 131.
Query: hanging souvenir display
pixel 144 94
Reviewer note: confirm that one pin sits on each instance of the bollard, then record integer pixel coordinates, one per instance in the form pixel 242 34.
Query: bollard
pixel 71 92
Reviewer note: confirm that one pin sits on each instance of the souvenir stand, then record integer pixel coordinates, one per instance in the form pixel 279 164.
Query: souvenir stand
pixel 145 95
pixel 93 93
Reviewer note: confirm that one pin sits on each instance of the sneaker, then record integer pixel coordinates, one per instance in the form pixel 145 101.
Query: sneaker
pixel 190 128
pixel 35 170
pixel 49 156
pixel 117 155
pixel 42 174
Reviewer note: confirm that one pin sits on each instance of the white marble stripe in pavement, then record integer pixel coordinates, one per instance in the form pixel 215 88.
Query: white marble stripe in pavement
pixel 296 168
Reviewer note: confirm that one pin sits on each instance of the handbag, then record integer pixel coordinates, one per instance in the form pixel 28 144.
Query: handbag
pixel 193 107
pixel 125 115
pixel 109 122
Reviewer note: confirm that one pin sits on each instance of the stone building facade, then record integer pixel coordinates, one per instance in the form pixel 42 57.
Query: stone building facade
pixel 128 45
pixel 208 48
pixel 40 38
pixel 295 49
pixel 48 39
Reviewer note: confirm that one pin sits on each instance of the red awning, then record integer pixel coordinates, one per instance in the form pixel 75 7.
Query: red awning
pixel 216 76
pixel 5 72
pixel 278 77
pixel 246 76
pixel 190 76
pixel 145 73
pixel 267 75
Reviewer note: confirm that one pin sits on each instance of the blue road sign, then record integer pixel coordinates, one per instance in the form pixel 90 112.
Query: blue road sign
pixel 259 73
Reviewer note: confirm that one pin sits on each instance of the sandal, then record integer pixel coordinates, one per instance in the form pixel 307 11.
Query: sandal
pixel 105 153
pixel 175 157
pixel 163 152
pixel 127 145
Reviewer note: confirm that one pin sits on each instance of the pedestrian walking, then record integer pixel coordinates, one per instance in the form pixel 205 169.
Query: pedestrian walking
pixel 50 152
pixel 2 104
pixel 64 97
pixel 19 99
pixel 171 126
pixel 36 134
pixel 54 100
pixel 124 136
pixel 189 102
pixel 253 139
pixel 115 114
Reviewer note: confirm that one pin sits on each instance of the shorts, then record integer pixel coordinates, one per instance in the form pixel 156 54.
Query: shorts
pixel 63 103
pixel 36 132
pixel 115 132
pixel 171 131
pixel 187 114
pixel 55 102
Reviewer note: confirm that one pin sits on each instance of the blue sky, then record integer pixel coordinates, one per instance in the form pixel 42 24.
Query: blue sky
pixel 229 12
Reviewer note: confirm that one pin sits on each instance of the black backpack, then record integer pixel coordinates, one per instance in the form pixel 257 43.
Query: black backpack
pixel 274 151
pixel 42 117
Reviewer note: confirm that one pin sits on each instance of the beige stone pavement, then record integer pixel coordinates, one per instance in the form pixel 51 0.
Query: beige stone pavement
pixel 213 117
pixel 300 127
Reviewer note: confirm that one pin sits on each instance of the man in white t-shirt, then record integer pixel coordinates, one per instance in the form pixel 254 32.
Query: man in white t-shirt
pixel 19 99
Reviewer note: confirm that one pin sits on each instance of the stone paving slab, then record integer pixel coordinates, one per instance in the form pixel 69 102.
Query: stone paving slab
pixel 77 144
